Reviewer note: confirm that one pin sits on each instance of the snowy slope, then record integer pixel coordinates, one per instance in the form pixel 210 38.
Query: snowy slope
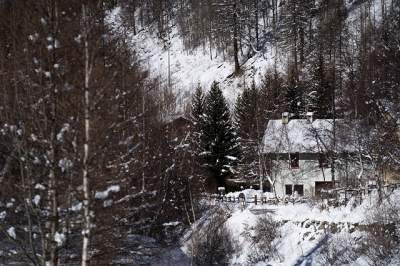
pixel 305 229
pixel 190 68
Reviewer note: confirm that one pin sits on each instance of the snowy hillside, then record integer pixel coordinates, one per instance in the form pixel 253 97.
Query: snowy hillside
pixel 124 122
pixel 192 68
pixel 308 232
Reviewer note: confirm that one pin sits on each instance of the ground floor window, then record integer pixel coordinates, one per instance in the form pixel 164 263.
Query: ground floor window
pixel 299 189
pixel 288 190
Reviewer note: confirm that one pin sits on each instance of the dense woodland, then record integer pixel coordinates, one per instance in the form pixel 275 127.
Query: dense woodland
pixel 88 155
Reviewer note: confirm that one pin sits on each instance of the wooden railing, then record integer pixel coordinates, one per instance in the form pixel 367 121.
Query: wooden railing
pixel 337 196
pixel 256 199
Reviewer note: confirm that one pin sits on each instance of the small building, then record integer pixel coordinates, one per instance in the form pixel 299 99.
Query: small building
pixel 178 126
pixel 298 154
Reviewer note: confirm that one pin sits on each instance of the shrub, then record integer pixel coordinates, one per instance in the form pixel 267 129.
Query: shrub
pixel 382 236
pixel 338 249
pixel 263 238
pixel 212 243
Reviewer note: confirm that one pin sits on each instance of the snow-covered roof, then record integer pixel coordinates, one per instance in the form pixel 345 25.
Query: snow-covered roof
pixel 303 136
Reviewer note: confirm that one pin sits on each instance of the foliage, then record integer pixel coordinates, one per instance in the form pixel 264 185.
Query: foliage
pixel 219 139
pixel 212 243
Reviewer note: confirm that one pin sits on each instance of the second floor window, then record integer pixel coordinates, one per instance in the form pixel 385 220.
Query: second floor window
pixel 294 160
pixel 323 161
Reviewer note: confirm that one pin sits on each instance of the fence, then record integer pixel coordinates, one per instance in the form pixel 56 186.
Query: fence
pixel 337 196
pixel 256 199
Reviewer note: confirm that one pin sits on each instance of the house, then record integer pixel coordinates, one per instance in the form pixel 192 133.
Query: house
pixel 298 154
pixel 178 127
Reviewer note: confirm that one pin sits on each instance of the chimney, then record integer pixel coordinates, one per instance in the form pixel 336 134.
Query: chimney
pixel 310 117
pixel 285 118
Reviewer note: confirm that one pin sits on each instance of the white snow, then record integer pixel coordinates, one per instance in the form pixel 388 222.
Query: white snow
pixel 104 194
pixel 190 68
pixel 59 238
pixel 108 203
pixel 11 232
pixel 40 186
pixel 36 160
pixel 172 223
pixel 76 207
pixel 303 228
pixel 65 128
pixel 65 164
pixel 36 200
pixel 3 215
pixel 232 158
pixel 299 135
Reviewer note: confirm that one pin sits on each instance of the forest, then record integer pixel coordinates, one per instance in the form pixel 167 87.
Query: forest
pixel 102 162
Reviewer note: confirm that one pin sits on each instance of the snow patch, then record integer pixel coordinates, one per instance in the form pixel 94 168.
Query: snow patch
pixel 104 194
pixel 3 215
pixel 36 200
pixel 40 187
pixel 59 238
pixel 11 232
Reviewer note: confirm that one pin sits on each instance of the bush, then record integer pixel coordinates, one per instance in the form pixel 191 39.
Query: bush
pixel 339 249
pixel 263 238
pixel 212 243
pixel 382 236
pixel 376 241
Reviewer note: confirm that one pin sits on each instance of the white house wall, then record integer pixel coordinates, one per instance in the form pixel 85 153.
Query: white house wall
pixel 307 174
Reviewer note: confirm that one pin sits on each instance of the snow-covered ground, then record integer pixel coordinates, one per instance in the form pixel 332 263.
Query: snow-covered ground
pixel 305 228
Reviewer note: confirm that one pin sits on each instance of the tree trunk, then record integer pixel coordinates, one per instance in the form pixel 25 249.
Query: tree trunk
pixel 235 38
pixel 256 25
pixel 85 165
pixel 51 252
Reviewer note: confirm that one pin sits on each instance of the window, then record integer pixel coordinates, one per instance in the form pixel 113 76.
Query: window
pixel 323 161
pixel 294 160
pixel 288 189
pixel 299 189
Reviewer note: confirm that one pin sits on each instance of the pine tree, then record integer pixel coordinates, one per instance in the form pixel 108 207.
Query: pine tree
pixel 293 98
pixel 247 122
pixel 219 140
pixel 245 113
pixel 197 117
pixel 197 109
pixel 319 94
pixel 196 146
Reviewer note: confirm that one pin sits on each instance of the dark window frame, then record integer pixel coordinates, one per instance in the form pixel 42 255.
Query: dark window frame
pixel 323 161
pixel 288 190
pixel 299 188
pixel 294 160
